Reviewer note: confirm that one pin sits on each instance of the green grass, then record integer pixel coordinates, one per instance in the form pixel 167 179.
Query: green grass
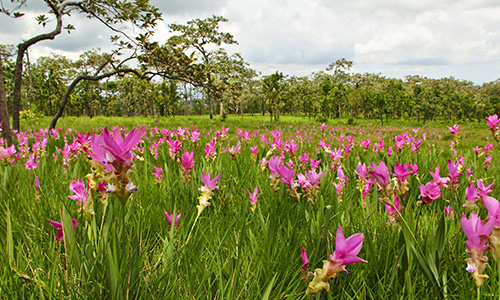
pixel 231 252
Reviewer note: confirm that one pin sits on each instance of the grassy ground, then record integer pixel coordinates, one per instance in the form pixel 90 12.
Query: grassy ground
pixel 230 252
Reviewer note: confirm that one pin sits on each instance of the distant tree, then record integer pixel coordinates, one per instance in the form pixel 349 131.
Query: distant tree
pixel 201 40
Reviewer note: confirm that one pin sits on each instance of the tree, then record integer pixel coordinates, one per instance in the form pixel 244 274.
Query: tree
pixel 4 112
pixel 273 88
pixel 196 38
pixel 111 13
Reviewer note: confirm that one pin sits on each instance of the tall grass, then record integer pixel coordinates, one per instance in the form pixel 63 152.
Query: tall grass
pixel 230 252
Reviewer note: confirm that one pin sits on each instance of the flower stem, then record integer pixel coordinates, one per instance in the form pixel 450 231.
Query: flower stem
pixel 192 227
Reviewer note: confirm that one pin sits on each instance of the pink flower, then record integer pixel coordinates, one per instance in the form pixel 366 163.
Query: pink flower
pixel 170 218
pixel 59 234
pixel 37 184
pixel 454 174
pixel 209 183
pixel 81 192
pixel 31 164
pixel 477 232
pixel 346 250
pixel 274 165
pixel 253 197
pixel 440 181
pixel 157 174
pixel 470 195
pixel 492 121
pixel 287 175
pixel 121 149
pixel 305 260
pixel 455 129
pixel 392 214
pixel 430 192
pixel 313 178
pixel 187 160
pixel 362 170
pixel 448 210
pixel 401 172
pixel 487 162
pixel 380 172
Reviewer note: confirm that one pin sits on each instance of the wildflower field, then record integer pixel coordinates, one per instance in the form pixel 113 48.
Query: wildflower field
pixel 251 211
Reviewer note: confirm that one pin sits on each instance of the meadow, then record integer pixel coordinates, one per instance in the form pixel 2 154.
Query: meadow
pixel 191 208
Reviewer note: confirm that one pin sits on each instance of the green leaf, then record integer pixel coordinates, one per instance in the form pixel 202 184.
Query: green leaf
pixel 269 288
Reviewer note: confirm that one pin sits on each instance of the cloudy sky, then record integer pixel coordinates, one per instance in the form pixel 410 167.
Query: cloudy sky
pixel 433 38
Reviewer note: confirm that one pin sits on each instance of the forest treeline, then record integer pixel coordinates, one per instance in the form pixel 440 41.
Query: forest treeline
pixel 323 95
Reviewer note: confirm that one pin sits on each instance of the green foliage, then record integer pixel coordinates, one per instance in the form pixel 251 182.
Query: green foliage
pixel 231 252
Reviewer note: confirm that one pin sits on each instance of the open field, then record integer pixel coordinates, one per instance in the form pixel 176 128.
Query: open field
pixel 310 180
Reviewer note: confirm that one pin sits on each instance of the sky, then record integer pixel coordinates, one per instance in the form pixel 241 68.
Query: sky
pixel 432 38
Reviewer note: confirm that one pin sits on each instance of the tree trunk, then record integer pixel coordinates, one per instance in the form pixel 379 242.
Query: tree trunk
pixel 4 112
pixel 21 49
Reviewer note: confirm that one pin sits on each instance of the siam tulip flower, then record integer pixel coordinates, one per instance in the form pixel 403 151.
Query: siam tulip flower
pixel 483 190
pixel 304 159
pixel 342 179
pixel 195 136
pixel 274 166
pixel 323 127
pixel 477 150
pixel 206 191
pixel 437 179
pixel 488 148
pixel 346 251
pixel 157 174
pixel 366 144
pixel 291 147
pixel 401 172
pixel 389 151
pixel 305 260
pixel 453 176
pixel 313 163
pixel 487 162
pixel 493 121
pixel 287 177
pixel 210 150
pixel 455 129
pixel 187 165
pixel 448 211
pixel 175 147
pixel 336 156
pixel 381 174
pixel 471 196
pixel 170 218
pixel 32 163
pixel 253 198
pixel 81 194
pixel 477 232
pixel 493 207
pixel 253 149
pixel 60 234
pixel 469 173
pixel 7 154
pixel 115 155
pixel 310 184
pixel 234 151
pixel 392 214
pixel 119 150
pixel 429 192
